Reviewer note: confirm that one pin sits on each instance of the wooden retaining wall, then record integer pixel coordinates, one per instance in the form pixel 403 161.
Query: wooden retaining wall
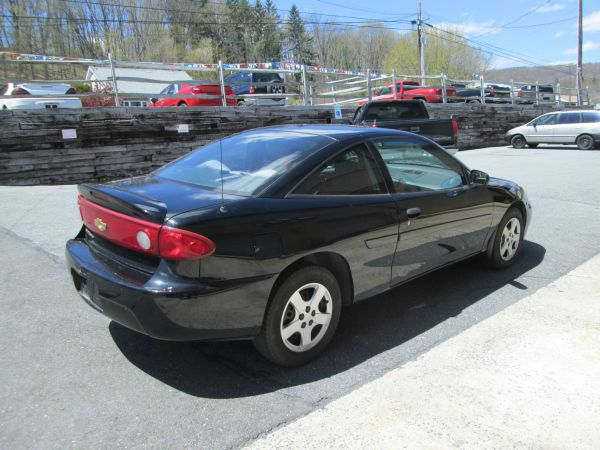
pixel 113 143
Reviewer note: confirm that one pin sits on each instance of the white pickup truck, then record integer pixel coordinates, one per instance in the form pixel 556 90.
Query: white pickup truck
pixel 31 90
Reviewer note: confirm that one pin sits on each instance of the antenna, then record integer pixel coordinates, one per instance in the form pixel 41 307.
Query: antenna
pixel 222 208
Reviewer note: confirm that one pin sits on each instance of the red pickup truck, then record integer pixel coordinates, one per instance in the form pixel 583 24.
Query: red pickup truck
pixel 411 90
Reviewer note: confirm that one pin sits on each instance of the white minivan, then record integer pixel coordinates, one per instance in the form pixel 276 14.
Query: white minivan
pixel 562 127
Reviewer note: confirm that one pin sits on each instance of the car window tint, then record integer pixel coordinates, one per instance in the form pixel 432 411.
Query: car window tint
pixel 416 166
pixel 590 116
pixel 385 91
pixel 549 119
pixel 393 111
pixel 251 160
pixel 566 118
pixel 353 172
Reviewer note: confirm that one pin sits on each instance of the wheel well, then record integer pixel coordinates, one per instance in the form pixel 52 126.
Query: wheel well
pixel 333 262
pixel 584 134
pixel 181 103
pixel 521 207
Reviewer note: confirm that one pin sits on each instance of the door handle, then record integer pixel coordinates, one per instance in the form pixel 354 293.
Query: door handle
pixel 413 212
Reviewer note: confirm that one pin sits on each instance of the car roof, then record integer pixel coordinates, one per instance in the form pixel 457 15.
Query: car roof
pixel 338 132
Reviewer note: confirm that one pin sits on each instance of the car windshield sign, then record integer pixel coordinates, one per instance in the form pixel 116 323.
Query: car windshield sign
pixel 251 161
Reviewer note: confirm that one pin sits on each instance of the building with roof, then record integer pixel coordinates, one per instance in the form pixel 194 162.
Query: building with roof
pixel 134 86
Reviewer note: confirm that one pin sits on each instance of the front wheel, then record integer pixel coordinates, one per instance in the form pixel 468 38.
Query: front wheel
pixel 518 141
pixel 301 318
pixel 507 241
pixel 585 142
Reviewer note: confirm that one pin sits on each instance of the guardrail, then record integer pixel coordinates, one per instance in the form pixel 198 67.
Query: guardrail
pixel 298 83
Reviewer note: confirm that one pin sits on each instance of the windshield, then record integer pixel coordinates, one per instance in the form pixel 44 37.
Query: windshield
pixel 251 160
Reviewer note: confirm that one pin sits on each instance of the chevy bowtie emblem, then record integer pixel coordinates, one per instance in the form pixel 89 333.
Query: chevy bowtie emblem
pixel 100 224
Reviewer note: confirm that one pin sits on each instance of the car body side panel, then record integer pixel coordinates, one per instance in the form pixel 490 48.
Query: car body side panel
pixel 264 236
pixel 453 225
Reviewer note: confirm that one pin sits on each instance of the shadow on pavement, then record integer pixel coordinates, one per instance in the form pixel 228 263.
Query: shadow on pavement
pixel 235 369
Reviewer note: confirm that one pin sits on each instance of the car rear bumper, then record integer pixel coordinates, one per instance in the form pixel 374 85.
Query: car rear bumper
pixel 168 306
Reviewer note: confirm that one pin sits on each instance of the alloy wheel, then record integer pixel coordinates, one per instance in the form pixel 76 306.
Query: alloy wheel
pixel 306 317
pixel 510 240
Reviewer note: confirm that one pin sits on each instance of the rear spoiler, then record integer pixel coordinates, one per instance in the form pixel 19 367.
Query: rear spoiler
pixel 125 202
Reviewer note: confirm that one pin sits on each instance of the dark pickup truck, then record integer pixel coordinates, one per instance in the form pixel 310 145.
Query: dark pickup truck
pixel 407 115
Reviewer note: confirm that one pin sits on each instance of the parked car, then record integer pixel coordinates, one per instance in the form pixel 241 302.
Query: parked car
pixel 266 83
pixel 266 234
pixel 493 93
pixel 33 101
pixel 545 94
pixel 205 92
pixel 412 90
pixel 564 127
pixel 407 115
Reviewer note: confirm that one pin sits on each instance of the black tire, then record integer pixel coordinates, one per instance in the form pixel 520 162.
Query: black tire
pixel 270 342
pixel 518 141
pixel 182 104
pixel 585 142
pixel 241 103
pixel 497 256
pixel 474 101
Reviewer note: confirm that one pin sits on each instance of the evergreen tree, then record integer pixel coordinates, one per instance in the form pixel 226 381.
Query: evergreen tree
pixel 299 43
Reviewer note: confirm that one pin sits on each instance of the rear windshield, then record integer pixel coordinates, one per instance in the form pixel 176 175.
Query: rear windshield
pixel 395 111
pixel 251 160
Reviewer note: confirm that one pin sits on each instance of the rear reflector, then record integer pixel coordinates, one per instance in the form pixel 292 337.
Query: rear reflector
pixel 142 236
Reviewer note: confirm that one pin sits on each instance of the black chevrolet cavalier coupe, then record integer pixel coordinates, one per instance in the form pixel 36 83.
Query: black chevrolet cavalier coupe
pixel 267 234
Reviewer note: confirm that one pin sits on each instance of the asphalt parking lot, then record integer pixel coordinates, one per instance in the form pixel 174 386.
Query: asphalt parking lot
pixel 71 378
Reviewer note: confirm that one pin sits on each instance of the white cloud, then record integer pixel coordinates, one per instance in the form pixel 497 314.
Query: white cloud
pixel 587 47
pixel 558 34
pixel 551 7
pixel 591 22
pixel 470 27
pixel 565 62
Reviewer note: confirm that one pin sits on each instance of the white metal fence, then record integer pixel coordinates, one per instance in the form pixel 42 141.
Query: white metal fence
pixel 299 84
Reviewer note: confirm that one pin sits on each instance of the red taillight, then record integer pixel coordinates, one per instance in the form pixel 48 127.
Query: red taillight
pixel 492 91
pixel 19 91
pixel 143 236
pixel 178 244
pixel 455 128
pixel 251 91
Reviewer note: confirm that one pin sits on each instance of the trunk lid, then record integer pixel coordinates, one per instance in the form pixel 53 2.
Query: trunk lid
pixel 149 198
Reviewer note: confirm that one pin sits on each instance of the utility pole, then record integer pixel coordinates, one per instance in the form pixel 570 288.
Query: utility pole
pixel 579 54
pixel 421 37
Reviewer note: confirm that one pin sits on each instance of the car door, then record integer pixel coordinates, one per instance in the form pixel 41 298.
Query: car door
pixel 348 210
pixel 541 130
pixel 568 127
pixel 442 217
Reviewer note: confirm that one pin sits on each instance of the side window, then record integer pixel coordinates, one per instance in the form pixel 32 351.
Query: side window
pixel 166 90
pixel 550 119
pixel 566 118
pixel 416 166
pixel 385 91
pixel 590 116
pixel 353 172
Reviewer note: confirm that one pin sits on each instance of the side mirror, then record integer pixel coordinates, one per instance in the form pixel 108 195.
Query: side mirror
pixel 479 177
pixel 153 100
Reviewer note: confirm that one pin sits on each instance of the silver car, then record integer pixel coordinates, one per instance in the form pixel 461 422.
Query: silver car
pixel 563 127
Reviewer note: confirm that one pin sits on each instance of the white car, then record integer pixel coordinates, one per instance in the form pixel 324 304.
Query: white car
pixel 564 127
pixel 38 89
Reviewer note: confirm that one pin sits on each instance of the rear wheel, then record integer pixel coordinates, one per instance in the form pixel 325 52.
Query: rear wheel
pixel 585 142
pixel 518 141
pixel 507 241
pixel 301 318
pixel 182 104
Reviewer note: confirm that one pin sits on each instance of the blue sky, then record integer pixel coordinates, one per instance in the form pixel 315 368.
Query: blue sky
pixel 516 32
